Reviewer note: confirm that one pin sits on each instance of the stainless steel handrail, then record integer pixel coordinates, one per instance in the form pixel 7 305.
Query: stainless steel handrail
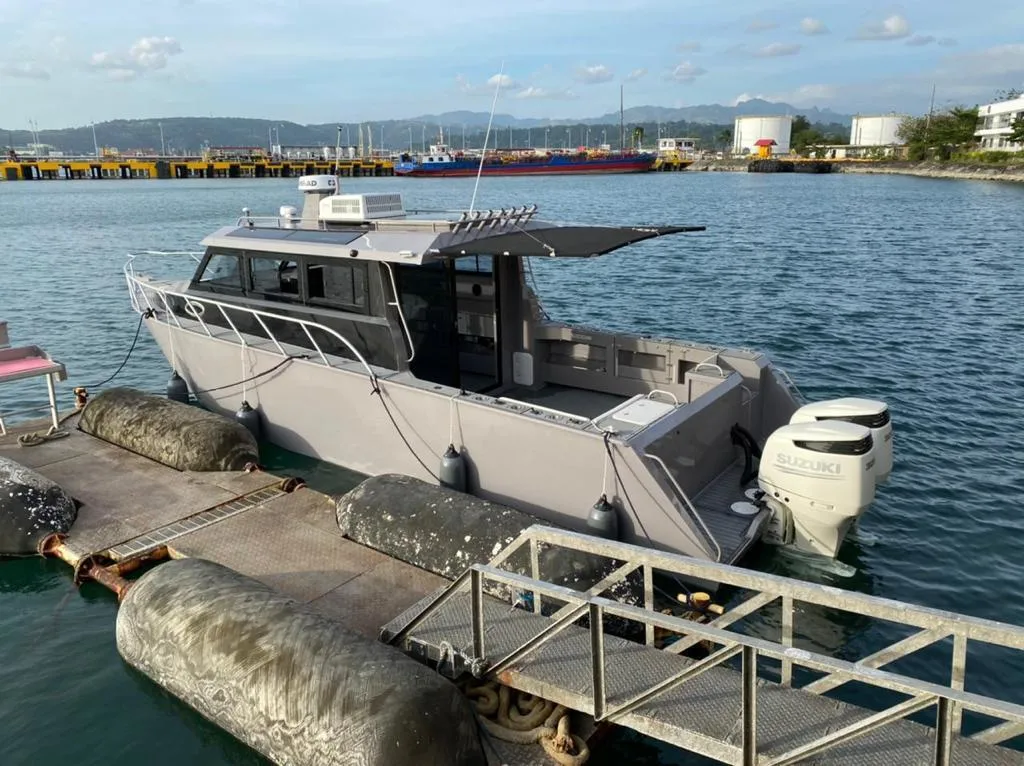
pixel 398 308
pixel 139 287
pixel 689 505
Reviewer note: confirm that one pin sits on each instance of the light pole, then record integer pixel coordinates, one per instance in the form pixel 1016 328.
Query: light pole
pixel 410 139
pixel 588 137
pixel 546 131
pixel 568 140
pixel 423 138
pixel 604 136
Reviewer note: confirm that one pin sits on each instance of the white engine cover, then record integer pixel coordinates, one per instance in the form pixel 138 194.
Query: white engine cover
pixel 821 475
pixel 864 412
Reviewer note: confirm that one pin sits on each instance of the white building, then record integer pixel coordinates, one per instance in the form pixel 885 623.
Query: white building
pixel 876 130
pixel 747 131
pixel 995 123
pixel 683 146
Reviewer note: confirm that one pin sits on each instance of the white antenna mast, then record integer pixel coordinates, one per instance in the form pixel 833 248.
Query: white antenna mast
pixel 487 135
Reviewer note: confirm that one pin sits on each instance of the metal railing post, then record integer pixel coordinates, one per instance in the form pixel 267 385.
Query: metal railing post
pixel 787 640
pixel 476 586
pixel 649 602
pixel 957 677
pixel 749 706
pixel 535 573
pixel 943 732
pixel 596 613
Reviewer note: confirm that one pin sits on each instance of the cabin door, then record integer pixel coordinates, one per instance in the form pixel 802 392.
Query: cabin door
pixel 428 305
pixel 477 312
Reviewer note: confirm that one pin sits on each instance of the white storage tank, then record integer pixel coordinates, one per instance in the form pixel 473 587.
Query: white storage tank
pixel 876 130
pixel 748 130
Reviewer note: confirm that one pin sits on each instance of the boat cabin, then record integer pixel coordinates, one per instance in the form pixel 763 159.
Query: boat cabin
pixel 447 301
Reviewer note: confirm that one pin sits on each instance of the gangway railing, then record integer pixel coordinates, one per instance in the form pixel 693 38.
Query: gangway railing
pixel 143 294
pixel 511 662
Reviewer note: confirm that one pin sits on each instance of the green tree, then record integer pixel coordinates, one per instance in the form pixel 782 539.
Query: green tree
pixel 1009 94
pixel 1017 136
pixel 803 135
pixel 725 139
pixel 939 135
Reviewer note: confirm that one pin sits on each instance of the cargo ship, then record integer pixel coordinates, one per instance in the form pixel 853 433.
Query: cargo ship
pixel 442 162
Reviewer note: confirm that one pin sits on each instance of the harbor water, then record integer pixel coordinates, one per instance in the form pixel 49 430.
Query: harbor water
pixel 903 289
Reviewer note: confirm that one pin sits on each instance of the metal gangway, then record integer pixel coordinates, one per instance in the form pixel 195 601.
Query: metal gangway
pixel 751 699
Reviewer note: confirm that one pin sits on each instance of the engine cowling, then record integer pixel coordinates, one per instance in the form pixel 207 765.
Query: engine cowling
pixel 864 412
pixel 818 478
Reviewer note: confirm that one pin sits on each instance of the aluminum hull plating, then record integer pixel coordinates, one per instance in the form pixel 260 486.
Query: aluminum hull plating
pixel 326 413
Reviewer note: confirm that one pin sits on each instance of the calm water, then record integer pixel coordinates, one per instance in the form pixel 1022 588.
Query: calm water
pixel 904 289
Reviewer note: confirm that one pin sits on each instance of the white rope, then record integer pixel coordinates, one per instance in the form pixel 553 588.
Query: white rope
pixel 244 376
pixel 604 478
pixel 451 420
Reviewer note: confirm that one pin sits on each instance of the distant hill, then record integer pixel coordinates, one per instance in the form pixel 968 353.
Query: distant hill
pixel 189 134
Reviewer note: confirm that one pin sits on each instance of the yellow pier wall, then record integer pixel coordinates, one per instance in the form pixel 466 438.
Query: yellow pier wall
pixel 185 167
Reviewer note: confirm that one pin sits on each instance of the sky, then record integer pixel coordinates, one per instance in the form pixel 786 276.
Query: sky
pixel 72 62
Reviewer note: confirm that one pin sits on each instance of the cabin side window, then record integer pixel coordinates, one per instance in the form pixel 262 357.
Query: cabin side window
pixel 476 264
pixel 339 285
pixel 223 272
pixel 273 278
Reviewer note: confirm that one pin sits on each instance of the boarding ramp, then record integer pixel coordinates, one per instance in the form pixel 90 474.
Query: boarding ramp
pixel 752 699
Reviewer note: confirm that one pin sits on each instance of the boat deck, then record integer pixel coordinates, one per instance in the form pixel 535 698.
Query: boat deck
pixel 733 532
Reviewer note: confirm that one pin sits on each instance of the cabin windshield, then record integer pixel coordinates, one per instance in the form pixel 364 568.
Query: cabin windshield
pixel 223 273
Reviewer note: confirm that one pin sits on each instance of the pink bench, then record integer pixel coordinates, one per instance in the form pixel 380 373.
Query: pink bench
pixel 31 362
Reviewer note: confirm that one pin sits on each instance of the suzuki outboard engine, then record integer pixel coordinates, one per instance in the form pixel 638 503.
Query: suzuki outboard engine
pixel 817 479
pixel 864 412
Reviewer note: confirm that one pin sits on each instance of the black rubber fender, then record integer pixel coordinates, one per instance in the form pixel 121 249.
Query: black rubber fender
pixel 31 507
pixel 178 435
pixel 295 686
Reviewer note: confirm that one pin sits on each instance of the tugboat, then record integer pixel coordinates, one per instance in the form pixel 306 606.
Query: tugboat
pixel 388 343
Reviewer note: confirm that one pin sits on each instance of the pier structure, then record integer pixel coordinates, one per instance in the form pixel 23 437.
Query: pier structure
pixel 753 698
pixel 92 168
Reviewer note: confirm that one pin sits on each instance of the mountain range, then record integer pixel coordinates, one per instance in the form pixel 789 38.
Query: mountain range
pixel 188 134
pixel 711 114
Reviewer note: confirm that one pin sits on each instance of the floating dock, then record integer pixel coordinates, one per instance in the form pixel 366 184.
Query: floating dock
pixel 66 169
pixel 748 701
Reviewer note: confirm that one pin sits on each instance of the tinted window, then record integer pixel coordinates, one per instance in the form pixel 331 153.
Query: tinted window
pixel 480 264
pixel 223 271
pixel 339 285
pixel 273 277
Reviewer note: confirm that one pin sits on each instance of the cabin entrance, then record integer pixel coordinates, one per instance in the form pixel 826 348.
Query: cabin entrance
pixel 451 310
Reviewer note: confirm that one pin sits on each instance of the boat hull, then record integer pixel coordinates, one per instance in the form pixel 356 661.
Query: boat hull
pixel 467 168
pixel 546 469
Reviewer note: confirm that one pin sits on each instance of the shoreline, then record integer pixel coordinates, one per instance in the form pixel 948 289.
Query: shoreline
pixel 1012 173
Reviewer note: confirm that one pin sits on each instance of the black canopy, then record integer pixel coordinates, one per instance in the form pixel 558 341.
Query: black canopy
pixel 549 240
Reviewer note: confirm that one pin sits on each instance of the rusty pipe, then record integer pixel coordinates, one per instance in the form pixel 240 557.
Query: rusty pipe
pixel 53 546
pixel 90 569
pixel 130 565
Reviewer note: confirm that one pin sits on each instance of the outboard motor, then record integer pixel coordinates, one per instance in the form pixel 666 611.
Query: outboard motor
pixel 864 412
pixel 817 479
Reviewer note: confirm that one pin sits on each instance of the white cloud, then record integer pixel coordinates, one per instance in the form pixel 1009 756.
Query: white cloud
pixel 593 75
pixel 636 74
pixel 760 25
pixel 811 26
pixel 688 46
pixel 805 95
pixel 777 49
pixel 534 92
pixel 686 73
pixel 487 88
pixel 147 54
pixel 24 70
pixel 919 40
pixel 895 27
